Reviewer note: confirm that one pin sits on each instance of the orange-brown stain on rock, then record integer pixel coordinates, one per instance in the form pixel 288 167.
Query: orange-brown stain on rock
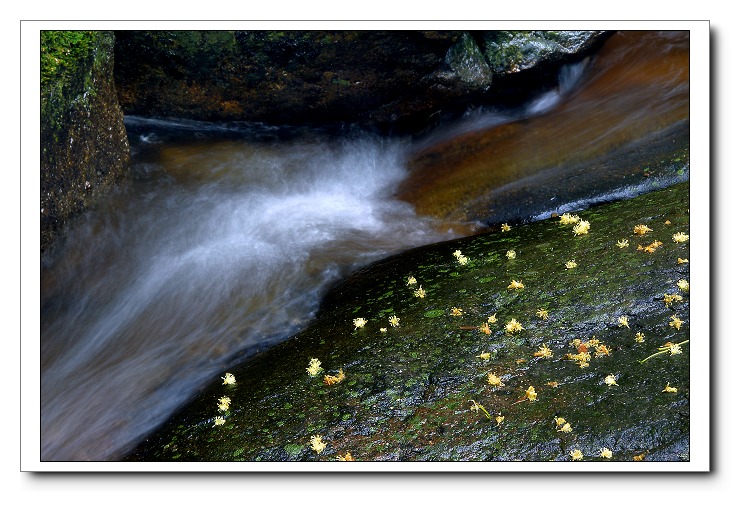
pixel 637 84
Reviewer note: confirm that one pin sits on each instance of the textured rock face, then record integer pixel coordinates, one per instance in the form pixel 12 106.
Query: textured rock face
pixel 385 79
pixel 84 147
pixel 422 380
pixel 513 51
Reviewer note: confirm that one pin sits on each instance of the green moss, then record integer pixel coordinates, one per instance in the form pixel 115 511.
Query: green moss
pixel 408 395
pixel 293 450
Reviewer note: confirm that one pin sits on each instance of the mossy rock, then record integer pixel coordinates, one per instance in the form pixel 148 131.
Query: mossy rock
pixel 84 146
pixel 410 393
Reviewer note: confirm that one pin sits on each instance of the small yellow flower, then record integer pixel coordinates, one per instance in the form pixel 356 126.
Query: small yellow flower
pixel 673 348
pixel 669 298
pixel 581 359
pixel 577 342
pixel 513 326
pixel 542 313
pixel 411 281
pixel 680 237
pixel 499 419
pixel 568 218
pixel 334 379
pixel 317 444
pixel 315 366
pixel 224 403
pixel 463 260
pixel 485 328
pixel 681 260
pixel 493 380
pixel 346 458
pixel 219 420
pixel 383 329
pixel 667 222
pixel 602 350
pixel 544 352
pixel 610 380
pixel 531 394
pixel 623 321
pixel 576 455
pixel 581 228
pixel 420 293
pixel 566 428
pixel 640 457
pixel 394 320
pixel 511 254
pixel 622 244
pixel 571 264
pixel 683 285
pixel 515 285
pixel 559 422
pixel 505 227
pixel 492 319
pixel 553 383
pixel 651 247
pixel 485 355
pixel 639 337
pixel 229 378
pixel 676 322
pixel 669 389
pixel 606 453
pixel 594 342
pixel 359 322
pixel 456 312
pixel 642 229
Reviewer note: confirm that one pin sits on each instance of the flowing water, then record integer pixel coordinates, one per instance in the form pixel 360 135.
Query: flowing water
pixel 223 244
pixel 220 244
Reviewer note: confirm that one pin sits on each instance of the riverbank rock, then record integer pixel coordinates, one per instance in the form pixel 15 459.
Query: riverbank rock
pixel 84 147
pixel 522 57
pixel 560 340
pixel 626 126
pixel 387 79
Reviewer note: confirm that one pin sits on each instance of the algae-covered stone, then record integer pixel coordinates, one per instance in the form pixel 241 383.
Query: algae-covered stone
pixel 397 79
pixel 422 390
pixel 84 147
pixel 513 51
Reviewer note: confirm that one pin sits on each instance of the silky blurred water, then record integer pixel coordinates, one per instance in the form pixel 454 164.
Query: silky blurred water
pixel 219 244
pixel 227 237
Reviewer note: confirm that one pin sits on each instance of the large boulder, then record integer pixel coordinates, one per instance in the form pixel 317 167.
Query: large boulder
pixel 387 79
pixel 419 388
pixel 84 147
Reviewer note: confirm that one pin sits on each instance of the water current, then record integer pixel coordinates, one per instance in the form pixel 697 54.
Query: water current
pixel 222 244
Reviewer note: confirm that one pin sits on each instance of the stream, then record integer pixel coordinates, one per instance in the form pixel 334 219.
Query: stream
pixel 223 244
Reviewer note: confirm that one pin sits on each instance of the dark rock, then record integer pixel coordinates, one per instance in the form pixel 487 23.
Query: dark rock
pixel 384 79
pixel 514 51
pixel 84 147
pixel 408 392
pixel 523 60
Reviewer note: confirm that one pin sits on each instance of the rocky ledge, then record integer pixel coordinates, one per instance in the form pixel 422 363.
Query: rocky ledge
pixel 561 340
pixel 400 79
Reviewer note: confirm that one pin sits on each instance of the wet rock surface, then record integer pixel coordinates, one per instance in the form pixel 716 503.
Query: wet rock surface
pixel 390 80
pixel 627 120
pixel 84 146
pixel 421 390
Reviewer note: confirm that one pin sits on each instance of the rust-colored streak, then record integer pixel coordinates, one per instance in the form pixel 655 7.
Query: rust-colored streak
pixel 637 84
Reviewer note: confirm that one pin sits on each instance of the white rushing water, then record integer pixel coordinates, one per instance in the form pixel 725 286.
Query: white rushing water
pixel 218 247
